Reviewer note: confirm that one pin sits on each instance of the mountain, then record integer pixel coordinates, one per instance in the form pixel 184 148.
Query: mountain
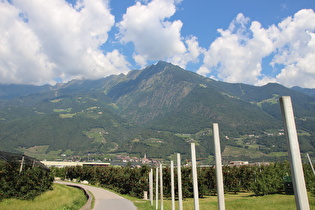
pixel 307 91
pixel 156 111
pixel 13 91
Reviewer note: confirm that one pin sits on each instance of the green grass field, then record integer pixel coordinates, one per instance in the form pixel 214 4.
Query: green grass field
pixel 240 201
pixel 60 198
pixel 64 198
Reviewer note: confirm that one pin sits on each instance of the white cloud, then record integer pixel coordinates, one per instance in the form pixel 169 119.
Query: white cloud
pixel 146 26
pixel 296 50
pixel 191 54
pixel 21 56
pixel 154 36
pixel 140 60
pixel 236 56
pixel 65 39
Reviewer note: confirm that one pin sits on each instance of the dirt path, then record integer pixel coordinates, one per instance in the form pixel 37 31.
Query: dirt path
pixel 104 199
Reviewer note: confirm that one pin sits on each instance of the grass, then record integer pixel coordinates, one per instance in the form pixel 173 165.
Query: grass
pixel 62 110
pixel 64 198
pixel 240 201
pixel 273 100
pixel 39 152
pixel 238 151
pixel 63 116
pixel 97 134
pixel 60 198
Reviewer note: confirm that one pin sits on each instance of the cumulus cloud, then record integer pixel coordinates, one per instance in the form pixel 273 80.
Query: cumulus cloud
pixel 236 56
pixel 42 41
pixel 191 54
pixel 296 50
pixel 21 56
pixel 154 37
pixel 46 40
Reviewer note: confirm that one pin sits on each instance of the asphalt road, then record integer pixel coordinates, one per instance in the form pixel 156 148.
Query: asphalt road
pixel 104 199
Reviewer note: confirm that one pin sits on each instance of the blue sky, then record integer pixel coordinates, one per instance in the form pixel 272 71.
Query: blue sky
pixel 241 41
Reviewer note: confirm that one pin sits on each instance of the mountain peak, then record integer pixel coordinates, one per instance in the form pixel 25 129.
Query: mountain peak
pixel 163 63
pixel 150 106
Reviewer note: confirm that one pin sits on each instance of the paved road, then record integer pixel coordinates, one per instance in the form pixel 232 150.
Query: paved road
pixel 105 200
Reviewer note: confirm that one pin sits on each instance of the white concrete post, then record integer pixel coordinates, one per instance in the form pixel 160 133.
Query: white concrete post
pixel 156 188
pixel 161 186
pixel 195 176
pixel 22 163
pixel 218 166
pixel 172 185
pixel 298 180
pixel 145 195
pixel 309 160
pixel 179 180
pixel 151 186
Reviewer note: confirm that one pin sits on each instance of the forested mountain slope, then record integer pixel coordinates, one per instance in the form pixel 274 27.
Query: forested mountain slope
pixel 146 111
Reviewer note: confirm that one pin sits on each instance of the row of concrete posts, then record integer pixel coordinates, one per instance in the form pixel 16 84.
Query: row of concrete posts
pixel 297 173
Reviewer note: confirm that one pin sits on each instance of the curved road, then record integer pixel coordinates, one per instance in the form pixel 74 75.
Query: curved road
pixel 104 199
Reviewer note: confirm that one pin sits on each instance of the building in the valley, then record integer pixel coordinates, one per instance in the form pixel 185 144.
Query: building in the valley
pixel 61 164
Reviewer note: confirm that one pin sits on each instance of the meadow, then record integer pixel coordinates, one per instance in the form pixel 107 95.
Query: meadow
pixel 239 201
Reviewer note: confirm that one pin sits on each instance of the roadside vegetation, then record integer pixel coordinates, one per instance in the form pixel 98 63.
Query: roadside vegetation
pixel 25 183
pixel 260 180
pixel 60 198
pixel 22 177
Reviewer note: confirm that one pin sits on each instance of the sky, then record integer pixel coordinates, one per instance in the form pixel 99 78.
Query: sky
pixel 238 41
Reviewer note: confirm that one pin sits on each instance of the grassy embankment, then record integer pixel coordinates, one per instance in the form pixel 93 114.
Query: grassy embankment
pixel 60 198
pixel 240 201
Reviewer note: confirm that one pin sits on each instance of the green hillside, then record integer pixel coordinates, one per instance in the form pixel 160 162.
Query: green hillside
pixel 156 111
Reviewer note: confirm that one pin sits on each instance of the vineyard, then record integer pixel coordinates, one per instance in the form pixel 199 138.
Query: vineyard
pixel 261 180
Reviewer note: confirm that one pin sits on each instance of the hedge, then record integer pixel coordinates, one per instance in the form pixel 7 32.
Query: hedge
pixel 261 180
pixel 32 181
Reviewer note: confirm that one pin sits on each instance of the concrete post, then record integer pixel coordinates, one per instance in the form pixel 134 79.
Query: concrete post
pixel 218 166
pixel 22 163
pixel 179 180
pixel 161 186
pixel 298 180
pixel 172 185
pixel 151 186
pixel 145 195
pixel 156 188
pixel 309 160
pixel 195 176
